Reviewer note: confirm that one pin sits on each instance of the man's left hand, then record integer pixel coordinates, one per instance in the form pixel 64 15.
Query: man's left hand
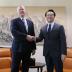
pixel 63 57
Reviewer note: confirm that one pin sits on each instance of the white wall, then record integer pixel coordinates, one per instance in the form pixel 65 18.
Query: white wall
pixel 34 2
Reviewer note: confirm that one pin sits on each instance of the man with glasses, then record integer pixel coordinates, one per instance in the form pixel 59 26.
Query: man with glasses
pixel 55 49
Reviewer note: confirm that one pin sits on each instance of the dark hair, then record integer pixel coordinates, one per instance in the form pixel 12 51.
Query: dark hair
pixel 50 10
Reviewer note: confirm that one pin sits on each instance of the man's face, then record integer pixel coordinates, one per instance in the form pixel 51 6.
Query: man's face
pixel 21 11
pixel 50 17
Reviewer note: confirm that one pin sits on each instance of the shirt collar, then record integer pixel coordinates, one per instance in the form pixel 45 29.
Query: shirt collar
pixel 52 24
pixel 22 18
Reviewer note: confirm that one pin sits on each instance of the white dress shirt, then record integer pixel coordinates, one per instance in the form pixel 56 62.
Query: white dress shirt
pixel 52 24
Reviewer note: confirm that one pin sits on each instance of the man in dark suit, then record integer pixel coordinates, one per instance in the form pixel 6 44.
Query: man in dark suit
pixel 22 30
pixel 55 49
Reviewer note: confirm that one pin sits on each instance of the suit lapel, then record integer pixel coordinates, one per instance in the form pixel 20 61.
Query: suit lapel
pixel 54 27
pixel 23 25
pixel 45 29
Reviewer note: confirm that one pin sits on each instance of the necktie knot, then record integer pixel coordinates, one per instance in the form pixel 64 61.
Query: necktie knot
pixel 22 19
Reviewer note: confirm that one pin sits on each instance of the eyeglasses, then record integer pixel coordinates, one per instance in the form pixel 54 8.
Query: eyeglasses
pixel 50 15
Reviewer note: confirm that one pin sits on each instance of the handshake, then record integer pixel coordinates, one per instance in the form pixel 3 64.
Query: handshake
pixel 31 38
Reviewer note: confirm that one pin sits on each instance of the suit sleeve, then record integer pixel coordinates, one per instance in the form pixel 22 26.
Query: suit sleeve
pixel 15 31
pixel 63 41
pixel 40 37
pixel 33 34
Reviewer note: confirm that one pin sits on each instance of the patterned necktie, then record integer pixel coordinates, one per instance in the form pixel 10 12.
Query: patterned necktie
pixel 25 23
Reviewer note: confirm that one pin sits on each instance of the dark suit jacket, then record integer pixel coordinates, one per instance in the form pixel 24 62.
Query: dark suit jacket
pixel 18 30
pixel 54 42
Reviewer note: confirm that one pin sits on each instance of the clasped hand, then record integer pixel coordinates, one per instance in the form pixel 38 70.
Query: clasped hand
pixel 31 38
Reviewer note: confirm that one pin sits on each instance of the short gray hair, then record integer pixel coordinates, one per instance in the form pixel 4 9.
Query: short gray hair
pixel 19 8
